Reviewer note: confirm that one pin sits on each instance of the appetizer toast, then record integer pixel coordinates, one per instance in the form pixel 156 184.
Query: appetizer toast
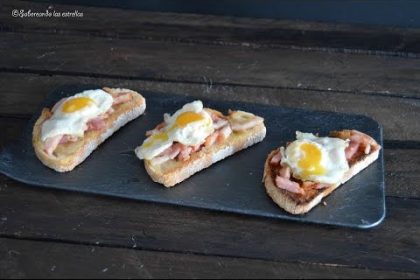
pixel 65 135
pixel 194 138
pixel 298 192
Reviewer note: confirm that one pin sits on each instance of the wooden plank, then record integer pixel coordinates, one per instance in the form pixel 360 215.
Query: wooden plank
pixel 402 172
pixel 57 260
pixel 28 212
pixel 217 65
pixel 402 168
pixel 393 113
pixel 208 29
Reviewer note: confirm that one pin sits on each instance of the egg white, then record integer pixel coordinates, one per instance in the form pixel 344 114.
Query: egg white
pixel 74 123
pixel 193 133
pixel 333 158
pixel 152 147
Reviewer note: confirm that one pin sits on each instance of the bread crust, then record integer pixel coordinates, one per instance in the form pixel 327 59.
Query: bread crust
pixel 286 201
pixel 82 148
pixel 173 172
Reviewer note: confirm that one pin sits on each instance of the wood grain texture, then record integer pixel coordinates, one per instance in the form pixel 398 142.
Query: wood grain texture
pixel 57 260
pixel 31 213
pixel 219 30
pixel 392 113
pixel 222 65
pixel 313 66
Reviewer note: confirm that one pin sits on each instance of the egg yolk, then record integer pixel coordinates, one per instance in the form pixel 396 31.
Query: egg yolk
pixel 187 117
pixel 76 104
pixel 311 160
pixel 156 137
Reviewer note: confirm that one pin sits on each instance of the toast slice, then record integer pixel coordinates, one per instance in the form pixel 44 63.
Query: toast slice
pixel 174 171
pixel 67 156
pixel 300 204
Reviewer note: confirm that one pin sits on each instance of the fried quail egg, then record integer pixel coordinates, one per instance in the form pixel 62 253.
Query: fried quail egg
pixel 317 159
pixel 72 114
pixel 190 125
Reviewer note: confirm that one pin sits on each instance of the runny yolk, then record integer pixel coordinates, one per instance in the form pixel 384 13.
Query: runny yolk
pixel 187 117
pixel 76 104
pixel 311 160
pixel 156 137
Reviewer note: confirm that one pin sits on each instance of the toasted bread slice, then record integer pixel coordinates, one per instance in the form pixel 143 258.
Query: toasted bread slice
pixel 67 156
pixel 301 204
pixel 174 171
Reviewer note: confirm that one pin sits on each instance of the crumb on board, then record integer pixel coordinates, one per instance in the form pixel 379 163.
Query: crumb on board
pixel 324 203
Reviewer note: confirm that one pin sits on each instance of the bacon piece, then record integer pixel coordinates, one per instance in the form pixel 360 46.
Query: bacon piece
pixel 351 149
pixel 96 124
pixel 68 138
pixel 224 133
pixel 51 144
pixel 168 154
pixel 196 148
pixel 185 153
pixel 121 98
pixel 285 172
pixel 110 111
pixel 275 160
pixel 320 186
pixel 211 139
pixel 288 185
pixel 359 141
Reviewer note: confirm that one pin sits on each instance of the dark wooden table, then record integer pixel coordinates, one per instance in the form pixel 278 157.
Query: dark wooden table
pixel 341 68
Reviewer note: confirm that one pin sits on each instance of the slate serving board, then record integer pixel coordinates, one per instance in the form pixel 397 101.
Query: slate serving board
pixel 232 185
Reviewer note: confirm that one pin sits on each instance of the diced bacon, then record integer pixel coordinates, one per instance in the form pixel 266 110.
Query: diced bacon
pixel 356 137
pixel 96 124
pixel 359 142
pixel 168 154
pixel 275 160
pixel 314 185
pixel 288 185
pixel 285 172
pixel 308 184
pixel 68 138
pixel 110 111
pixel 224 133
pixel 195 148
pixel 51 144
pixel 185 153
pixel 211 139
pixel 122 98
pixel 320 186
pixel 351 149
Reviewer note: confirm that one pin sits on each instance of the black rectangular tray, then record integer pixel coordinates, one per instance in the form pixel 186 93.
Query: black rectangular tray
pixel 232 185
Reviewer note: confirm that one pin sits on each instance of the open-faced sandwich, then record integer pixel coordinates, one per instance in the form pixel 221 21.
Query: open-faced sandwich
pixel 194 138
pixel 65 135
pixel 299 176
